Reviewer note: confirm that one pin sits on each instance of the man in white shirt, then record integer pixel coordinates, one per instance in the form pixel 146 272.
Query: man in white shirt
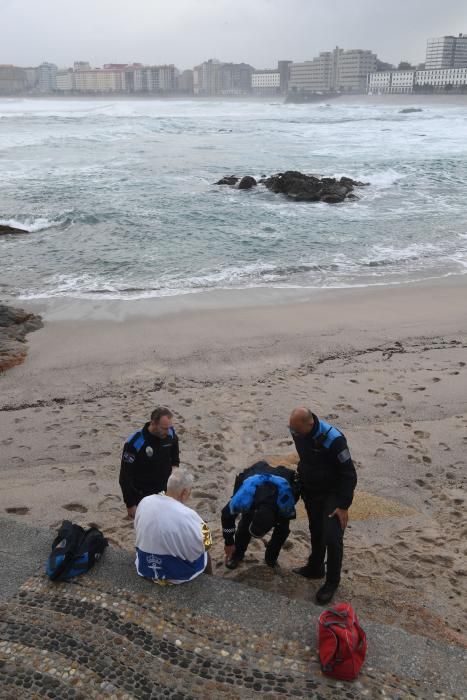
pixel 172 541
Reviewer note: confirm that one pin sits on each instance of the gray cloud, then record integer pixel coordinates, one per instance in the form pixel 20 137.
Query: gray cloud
pixel 186 32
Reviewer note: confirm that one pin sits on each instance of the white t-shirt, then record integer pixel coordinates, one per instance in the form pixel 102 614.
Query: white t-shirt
pixel 171 540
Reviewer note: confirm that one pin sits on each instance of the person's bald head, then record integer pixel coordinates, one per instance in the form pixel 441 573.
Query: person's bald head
pixel 301 421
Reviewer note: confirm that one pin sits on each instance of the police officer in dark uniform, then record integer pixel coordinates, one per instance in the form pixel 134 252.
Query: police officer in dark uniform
pixel 327 481
pixel 265 497
pixel 147 459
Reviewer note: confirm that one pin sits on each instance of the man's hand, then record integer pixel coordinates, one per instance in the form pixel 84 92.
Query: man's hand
pixel 343 516
pixel 131 512
pixel 229 550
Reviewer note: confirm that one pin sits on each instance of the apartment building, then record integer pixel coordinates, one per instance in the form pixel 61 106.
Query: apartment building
pixel 446 52
pixel 266 82
pixel 337 70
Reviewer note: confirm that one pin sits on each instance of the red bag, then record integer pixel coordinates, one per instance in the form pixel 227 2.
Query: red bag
pixel 341 642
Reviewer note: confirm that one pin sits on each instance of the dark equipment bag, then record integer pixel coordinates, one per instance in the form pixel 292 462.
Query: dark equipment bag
pixel 74 551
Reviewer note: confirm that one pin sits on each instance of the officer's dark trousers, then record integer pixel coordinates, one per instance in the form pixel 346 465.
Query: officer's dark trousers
pixel 274 546
pixel 327 536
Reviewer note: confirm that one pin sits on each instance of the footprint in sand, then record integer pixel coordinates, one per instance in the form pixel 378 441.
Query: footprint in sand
pixel 421 434
pixel 110 500
pixel 93 487
pixel 75 507
pixel 87 472
pixel 57 470
pixel 18 510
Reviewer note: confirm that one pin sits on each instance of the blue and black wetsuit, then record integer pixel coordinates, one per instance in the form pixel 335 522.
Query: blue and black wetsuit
pixel 279 486
pixel 327 481
pixel 146 465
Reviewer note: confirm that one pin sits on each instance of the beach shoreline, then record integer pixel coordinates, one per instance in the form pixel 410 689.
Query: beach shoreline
pixel 386 365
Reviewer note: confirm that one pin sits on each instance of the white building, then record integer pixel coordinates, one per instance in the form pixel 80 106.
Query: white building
pixel 99 80
pixel 409 81
pixel 446 52
pixel 266 82
pixel 338 70
pixel 452 78
pixel 312 76
pixel 65 80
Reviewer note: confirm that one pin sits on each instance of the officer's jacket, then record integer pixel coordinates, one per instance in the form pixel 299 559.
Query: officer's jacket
pixel 146 465
pixel 325 465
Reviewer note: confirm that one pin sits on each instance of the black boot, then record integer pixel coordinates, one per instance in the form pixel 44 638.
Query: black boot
pixel 310 572
pixel 272 563
pixel 233 562
pixel 326 593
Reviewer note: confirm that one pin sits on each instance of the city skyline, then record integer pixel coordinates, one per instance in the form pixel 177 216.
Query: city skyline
pixel 180 33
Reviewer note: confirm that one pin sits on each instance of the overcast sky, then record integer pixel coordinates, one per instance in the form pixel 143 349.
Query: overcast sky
pixel 186 32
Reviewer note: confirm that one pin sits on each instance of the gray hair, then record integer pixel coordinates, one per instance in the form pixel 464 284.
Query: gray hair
pixel 180 480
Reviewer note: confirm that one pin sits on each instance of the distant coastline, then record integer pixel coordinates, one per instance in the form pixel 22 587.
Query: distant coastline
pixel 433 98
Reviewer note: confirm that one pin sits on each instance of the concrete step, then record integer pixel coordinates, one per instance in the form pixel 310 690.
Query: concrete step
pixel 112 634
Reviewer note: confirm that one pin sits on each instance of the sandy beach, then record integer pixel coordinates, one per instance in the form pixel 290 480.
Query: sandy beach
pixel 388 366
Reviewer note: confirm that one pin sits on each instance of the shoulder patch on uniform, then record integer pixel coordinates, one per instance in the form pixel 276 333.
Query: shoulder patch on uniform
pixel 128 457
pixel 344 456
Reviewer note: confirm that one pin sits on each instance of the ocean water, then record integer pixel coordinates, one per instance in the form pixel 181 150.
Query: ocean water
pixel 119 202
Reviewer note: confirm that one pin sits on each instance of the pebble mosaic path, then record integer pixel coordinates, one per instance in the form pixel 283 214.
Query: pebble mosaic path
pixel 87 639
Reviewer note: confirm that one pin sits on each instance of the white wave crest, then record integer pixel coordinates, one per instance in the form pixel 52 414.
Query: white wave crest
pixel 30 225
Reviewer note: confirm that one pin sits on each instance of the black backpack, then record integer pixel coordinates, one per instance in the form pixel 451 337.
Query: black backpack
pixel 74 551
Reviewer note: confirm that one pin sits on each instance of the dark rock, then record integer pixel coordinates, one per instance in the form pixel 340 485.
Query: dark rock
pixel 7 230
pixel 14 325
pixel 228 180
pixel 409 110
pixel 247 182
pixel 331 198
pixel 301 187
pixel 309 188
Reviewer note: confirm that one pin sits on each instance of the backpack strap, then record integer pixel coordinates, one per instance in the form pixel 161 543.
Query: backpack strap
pixel 336 659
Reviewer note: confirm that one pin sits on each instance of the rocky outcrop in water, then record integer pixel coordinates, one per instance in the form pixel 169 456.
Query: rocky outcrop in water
pixel 247 182
pixel 300 187
pixel 14 326
pixel 7 230
pixel 228 180
pixel 410 110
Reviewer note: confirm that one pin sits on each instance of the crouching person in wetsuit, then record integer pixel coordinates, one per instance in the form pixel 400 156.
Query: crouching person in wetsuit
pixel 327 481
pixel 265 497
